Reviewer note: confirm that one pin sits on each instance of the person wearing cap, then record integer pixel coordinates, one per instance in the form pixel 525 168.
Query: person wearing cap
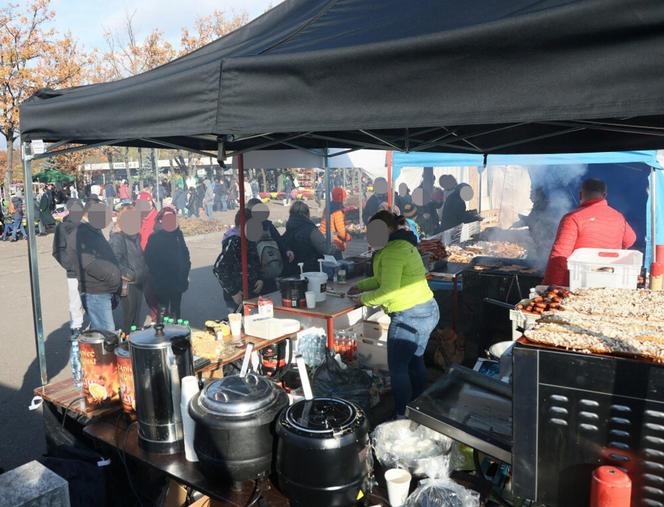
pixel 410 213
pixel 168 261
pixel 60 253
pixel 337 220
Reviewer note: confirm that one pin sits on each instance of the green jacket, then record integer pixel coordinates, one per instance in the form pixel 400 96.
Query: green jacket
pixel 399 282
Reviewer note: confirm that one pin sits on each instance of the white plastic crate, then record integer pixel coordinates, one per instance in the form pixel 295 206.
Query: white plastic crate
pixel 604 268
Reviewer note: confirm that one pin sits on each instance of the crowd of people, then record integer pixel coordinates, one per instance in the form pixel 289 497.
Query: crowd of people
pixel 145 259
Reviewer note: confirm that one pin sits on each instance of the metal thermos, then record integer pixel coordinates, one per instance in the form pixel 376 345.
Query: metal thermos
pixel 160 357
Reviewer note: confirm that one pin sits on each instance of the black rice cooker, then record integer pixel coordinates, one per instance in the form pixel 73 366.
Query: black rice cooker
pixel 322 452
pixel 293 291
pixel 235 419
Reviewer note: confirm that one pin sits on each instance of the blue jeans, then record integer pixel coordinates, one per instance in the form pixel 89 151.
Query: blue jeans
pixel 13 228
pixel 208 210
pixel 407 340
pixel 100 311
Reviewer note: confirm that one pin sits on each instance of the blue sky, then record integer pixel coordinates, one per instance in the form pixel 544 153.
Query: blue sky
pixel 87 20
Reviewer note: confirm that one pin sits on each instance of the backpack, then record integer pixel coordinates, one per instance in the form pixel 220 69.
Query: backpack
pixel 269 256
pixel 217 268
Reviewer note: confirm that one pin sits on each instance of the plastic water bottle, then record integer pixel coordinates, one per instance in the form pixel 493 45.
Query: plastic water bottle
pixel 75 362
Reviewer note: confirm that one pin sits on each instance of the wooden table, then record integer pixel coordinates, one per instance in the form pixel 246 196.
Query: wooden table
pixel 327 310
pixel 63 394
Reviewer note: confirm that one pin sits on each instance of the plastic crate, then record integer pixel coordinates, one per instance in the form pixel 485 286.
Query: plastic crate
pixel 604 268
pixel 522 320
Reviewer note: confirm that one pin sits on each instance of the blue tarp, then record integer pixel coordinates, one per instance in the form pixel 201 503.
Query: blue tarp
pixel 626 173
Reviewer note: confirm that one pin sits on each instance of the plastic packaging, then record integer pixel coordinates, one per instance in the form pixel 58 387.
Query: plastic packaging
pixel 311 344
pixel 352 384
pixel 442 493
pixel 75 363
pixel 416 448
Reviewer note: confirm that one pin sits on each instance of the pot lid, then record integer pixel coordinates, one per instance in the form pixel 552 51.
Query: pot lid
pixel 157 337
pixel 237 395
pixel 322 415
pixel 110 340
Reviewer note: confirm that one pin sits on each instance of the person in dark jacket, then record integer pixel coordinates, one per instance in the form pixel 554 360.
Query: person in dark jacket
pixel 14 220
pixel 60 253
pixel 126 244
pixel 454 210
pixel 180 200
pixel 97 269
pixel 192 208
pixel 304 239
pixel 110 193
pixel 46 222
pixel 168 261
pixel 230 272
pixel 372 206
pixel 427 215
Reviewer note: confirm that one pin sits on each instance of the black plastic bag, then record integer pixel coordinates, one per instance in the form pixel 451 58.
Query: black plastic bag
pixel 350 384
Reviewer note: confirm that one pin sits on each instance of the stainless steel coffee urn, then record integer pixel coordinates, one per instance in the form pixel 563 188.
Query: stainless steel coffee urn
pixel 160 357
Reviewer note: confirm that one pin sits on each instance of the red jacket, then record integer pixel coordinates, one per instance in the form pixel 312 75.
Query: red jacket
pixel 147 227
pixel 593 224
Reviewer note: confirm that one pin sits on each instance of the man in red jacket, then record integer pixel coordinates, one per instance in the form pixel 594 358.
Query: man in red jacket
pixel 594 224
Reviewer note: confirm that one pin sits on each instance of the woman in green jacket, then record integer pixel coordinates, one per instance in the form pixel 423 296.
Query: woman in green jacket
pixel 400 286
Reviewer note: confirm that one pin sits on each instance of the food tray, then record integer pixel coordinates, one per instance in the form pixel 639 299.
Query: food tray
pixel 522 321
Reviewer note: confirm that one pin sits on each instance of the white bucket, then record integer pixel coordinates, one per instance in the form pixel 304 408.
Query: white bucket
pixel 317 284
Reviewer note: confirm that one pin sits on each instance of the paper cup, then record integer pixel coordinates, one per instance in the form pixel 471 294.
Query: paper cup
pixel 235 322
pixel 398 485
pixel 311 298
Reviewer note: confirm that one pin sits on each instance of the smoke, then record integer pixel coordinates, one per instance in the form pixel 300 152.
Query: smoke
pixel 555 192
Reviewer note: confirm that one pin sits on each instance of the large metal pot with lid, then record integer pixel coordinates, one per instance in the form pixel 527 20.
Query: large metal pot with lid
pixel 160 357
pixel 323 450
pixel 235 425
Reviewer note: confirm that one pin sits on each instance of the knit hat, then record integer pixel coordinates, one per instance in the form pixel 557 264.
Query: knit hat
pixel 338 194
pixel 409 211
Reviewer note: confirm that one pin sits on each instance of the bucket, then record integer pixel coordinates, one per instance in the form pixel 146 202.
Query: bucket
pixel 317 283
pixel 100 372
pixel 126 378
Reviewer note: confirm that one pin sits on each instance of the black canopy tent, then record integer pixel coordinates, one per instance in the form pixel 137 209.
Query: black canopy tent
pixel 486 76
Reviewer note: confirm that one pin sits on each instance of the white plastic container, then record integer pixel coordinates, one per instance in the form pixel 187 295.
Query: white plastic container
pixel 604 268
pixel 376 326
pixel 317 284
pixel 372 353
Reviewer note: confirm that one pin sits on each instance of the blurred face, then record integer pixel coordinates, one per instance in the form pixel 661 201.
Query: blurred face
pixel 129 221
pixel 99 216
pixel 169 222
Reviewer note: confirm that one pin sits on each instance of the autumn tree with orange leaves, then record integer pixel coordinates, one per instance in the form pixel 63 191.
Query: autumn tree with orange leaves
pixel 32 56
pixel 210 28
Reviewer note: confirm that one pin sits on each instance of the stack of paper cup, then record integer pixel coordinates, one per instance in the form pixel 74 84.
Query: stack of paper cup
pixel 398 485
pixel 189 387
pixel 311 299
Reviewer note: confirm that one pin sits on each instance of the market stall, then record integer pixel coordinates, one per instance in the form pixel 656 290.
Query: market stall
pixel 253 90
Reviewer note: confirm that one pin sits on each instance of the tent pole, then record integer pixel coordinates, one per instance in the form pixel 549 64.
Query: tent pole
pixel 243 221
pixel 390 192
pixel 29 208
pixel 328 191
pixel 653 215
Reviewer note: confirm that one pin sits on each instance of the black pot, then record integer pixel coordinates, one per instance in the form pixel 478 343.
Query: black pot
pixel 322 452
pixel 293 291
pixel 235 426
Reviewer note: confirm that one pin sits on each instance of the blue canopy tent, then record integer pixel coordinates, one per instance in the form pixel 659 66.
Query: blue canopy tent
pixel 629 175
